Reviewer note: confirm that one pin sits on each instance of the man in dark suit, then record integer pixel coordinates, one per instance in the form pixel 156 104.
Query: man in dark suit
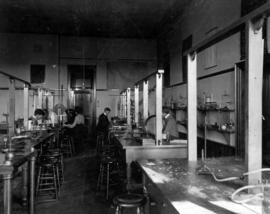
pixel 170 126
pixel 104 123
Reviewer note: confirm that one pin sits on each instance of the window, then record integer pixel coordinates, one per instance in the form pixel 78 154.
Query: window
pixel 210 53
pixel 37 73
pixel 81 76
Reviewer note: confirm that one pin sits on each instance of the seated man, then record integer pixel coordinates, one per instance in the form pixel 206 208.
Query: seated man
pixel 170 126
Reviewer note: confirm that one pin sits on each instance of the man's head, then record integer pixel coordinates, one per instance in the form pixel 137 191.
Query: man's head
pixel 165 111
pixel 107 110
pixel 39 114
pixel 78 110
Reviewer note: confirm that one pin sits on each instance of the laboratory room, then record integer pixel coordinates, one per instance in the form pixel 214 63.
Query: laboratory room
pixel 144 107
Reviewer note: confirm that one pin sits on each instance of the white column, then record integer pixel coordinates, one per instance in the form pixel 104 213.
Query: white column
pixel 11 108
pixel 159 81
pixel 145 99
pixel 125 105
pixel 39 104
pixel 128 107
pixel 25 106
pixel 192 106
pixel 255 83
pixel 120 113
pixel 136 102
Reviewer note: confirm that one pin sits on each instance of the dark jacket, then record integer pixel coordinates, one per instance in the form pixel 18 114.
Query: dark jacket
pixel 103 124
pixel 170 127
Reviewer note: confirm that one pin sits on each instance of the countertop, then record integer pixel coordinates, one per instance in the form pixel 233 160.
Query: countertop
pixel 129 140
pixel 189 193
pixel 21 149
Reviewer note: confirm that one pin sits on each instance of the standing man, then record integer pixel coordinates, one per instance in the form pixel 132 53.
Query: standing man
pixel 104 123
pixel 170 126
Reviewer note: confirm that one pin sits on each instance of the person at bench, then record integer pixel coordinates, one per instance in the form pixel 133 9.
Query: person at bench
pixel 104 123
pixel 169 124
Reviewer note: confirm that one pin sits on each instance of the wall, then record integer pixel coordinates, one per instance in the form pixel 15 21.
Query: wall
pixel 18 51
pixel 198 18
pixel 202 19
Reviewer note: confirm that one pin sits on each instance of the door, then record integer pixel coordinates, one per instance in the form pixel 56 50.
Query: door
pixel 240 104
pixel 86 100
pixel 266 112
pixel 82 82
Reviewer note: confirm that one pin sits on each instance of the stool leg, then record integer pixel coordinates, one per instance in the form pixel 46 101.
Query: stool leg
pixel 55 183
pixel 38 180
pixel 108 181
pixel 62 168
pixel 72 145
pixel 118 210
pixel 57 178
pixel 99 178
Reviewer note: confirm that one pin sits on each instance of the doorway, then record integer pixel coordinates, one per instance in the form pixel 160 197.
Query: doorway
pixel 82 82
pixel 240 108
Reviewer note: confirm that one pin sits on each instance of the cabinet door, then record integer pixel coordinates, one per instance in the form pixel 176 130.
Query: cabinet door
pixel 159 204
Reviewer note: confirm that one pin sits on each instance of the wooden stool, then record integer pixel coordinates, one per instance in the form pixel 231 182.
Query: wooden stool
pixel 47 187
pixel 108 174
pixel 57 158
pixel 130 200
pixel 99 144
pixel 67 146
pixel 104 150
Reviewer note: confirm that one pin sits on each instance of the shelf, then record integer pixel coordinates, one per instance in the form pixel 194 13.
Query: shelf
pixel 211 128
pixel 229 131
pixel 216 109
pixel 183 123
pixel 184 108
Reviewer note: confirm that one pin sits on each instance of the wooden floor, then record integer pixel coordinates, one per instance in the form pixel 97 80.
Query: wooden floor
pixel 78 194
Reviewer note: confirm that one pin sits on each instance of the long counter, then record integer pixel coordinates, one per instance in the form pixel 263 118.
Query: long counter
pixel 176 187
pixel 24 156
pixel 134 150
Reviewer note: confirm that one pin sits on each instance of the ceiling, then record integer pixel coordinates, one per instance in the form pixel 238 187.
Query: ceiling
pixel 98 18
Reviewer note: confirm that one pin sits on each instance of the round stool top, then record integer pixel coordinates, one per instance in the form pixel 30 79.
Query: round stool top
pixel 130 199
pixel 107 160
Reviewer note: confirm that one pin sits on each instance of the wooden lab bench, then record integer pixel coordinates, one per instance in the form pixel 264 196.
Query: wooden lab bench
pixel 175 187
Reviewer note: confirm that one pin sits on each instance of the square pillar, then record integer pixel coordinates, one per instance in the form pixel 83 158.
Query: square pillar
pixel 159 85
pixel 25 106
pixel 136 102
pixel 192 106
pixel 145 99
pixel 11 108
pixel 128 107
pixel 255 53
